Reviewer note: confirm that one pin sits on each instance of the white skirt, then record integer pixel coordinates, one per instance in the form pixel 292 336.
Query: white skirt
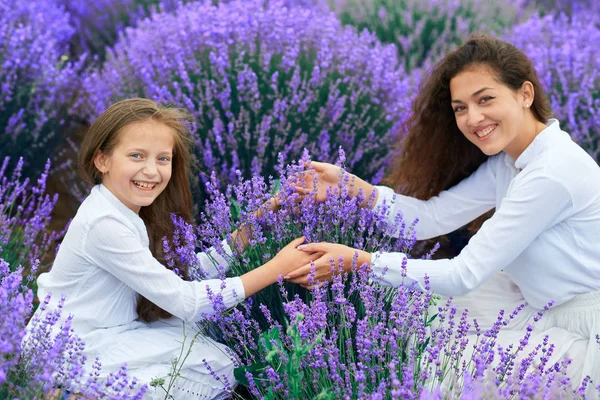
pixel 148 350
pixel 572 326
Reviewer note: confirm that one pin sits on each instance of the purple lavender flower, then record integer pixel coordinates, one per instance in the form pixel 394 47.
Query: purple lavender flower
pixel 98 24
pixel 37 79
pixel 569 68
pixel 262 79
pixel 350 338
pixel 25 213
pixel 46 357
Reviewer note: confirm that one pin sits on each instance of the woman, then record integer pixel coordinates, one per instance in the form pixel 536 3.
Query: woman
pixel 480 138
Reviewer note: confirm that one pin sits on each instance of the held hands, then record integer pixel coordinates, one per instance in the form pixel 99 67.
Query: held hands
pixel 290 258
pixel 287 260
pixel 323 264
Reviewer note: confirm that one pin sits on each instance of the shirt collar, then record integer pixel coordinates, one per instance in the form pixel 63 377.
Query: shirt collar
pixel 551 131
pixel 122 208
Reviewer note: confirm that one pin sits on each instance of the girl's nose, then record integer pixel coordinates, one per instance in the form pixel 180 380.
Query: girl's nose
pixel 150 168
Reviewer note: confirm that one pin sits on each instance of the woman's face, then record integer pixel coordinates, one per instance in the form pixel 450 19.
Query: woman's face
pixel 490 114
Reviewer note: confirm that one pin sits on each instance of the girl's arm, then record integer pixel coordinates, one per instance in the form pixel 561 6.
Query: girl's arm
pixel 113 246
pixel 212 261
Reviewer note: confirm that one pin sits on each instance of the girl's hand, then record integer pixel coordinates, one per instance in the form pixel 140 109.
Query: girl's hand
pixel 329 176
pixel 328 252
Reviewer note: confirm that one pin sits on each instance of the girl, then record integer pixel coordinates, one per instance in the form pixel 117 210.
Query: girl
pixel 127 306
pixel 481 137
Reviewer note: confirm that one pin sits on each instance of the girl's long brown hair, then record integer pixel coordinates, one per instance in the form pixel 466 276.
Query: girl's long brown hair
pixel 104 134
pixel 433 155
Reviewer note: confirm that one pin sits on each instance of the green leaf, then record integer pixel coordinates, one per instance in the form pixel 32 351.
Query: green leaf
pixel 240 372
pixel 430 320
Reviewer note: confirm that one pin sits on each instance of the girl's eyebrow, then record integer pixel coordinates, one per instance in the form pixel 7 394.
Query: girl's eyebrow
pixel 474 94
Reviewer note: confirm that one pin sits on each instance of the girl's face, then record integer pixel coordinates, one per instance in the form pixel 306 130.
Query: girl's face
pixel 490 114
pixel 139 167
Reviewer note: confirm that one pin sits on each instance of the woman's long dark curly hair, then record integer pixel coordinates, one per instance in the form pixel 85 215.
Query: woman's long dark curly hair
pixel 433 154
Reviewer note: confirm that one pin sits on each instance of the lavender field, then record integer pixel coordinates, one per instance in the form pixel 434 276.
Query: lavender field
pixel 270 85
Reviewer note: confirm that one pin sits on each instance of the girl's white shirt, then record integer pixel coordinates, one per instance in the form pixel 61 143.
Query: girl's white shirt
pixel 545 232
pixel 104 262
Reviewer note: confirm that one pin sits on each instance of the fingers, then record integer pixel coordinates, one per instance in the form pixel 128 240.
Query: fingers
pixel 311 287
pixel 301 280
pixel 317 166
pixel 314 247
pixel 297 242
pixel 298 272
pixel 302 190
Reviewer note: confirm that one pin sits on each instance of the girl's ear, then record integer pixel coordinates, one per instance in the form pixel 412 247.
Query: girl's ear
pixel 527 94
pixel 101 162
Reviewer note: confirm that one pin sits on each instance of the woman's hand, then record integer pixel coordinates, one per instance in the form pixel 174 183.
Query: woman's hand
pixel 324 175
pixel 329 176
pixel 323 265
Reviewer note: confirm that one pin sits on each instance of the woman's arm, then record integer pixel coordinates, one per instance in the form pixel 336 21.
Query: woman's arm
pixel 525 213
pixel 451 209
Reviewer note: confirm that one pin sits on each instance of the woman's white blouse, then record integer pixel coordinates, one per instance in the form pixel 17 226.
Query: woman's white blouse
pixel 545 232
pixel 104 261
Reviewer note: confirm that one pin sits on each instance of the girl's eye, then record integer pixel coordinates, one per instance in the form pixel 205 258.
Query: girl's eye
pixel 485 99
pixel 137 156
pixel 165 159
pixel 458 108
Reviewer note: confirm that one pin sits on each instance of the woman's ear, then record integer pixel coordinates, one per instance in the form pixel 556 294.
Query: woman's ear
pixel 101 162
pixel 527 94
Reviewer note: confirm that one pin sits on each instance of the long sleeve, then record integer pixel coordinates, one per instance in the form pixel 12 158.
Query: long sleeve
pixel 451 209
pixel 533 205
pixel 211 261
pixel 113 246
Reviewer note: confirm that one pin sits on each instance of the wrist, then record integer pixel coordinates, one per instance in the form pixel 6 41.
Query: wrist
pixel 259 278
pixel 364 257
pixel 366 187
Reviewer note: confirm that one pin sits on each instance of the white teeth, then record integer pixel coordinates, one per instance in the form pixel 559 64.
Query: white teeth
pixel 486 131
pixel 144 185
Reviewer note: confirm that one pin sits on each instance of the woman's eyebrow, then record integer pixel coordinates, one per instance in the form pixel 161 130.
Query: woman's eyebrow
pixel 474 94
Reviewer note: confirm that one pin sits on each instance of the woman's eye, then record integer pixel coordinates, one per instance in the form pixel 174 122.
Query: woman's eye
pixel 137 156
pixel 485 99
pixel 459 108
pixel 165 159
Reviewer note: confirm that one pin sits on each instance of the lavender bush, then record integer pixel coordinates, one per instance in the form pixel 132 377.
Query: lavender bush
pixel 45 360
pixel 340 220
pixel 563 49
pixel 352 339
pixel 38 81
pixel 25 212
pixel 98 24
pixel 260 79
pixel 424 30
